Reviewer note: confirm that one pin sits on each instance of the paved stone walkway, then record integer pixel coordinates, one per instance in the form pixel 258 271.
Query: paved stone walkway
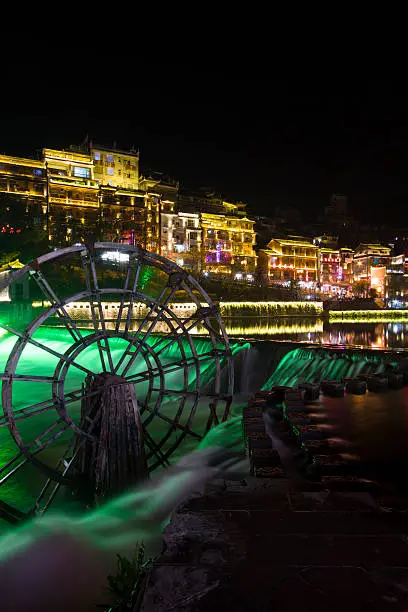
pixel 261 548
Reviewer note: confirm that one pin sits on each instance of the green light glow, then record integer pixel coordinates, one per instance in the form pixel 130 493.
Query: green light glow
pixel 312 365
pixel 21 488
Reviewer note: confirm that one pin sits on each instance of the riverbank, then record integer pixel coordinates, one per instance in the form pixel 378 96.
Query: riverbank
pixel 264 546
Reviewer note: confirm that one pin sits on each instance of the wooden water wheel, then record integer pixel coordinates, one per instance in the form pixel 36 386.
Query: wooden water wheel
pixel 90 326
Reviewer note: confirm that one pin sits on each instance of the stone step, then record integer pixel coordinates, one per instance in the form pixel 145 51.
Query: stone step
pixel 327 549
pixel 269 472
pixel 319 522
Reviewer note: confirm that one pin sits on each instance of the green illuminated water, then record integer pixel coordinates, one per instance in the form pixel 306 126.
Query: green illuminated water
pixel 25 484
pixel 315 364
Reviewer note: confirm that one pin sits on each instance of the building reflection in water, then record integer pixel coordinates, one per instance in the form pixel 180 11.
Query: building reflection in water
pixel 373 335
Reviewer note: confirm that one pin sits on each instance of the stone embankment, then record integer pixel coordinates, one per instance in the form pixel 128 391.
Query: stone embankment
pixel 324 540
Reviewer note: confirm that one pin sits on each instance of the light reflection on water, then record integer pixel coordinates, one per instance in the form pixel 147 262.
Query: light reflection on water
pixel 298 329
pixel 376 426
pixel 371 335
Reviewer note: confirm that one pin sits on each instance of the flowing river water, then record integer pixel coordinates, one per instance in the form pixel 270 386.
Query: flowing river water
pixel 375 424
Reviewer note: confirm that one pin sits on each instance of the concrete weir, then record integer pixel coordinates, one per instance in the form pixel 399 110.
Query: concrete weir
pixel 303 532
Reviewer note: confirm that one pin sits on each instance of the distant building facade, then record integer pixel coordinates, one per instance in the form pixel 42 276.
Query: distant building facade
pixel 228 245
pixel 74 195
pixel 287 259
pixel 98 193
pixel 181 238
pixel 370 266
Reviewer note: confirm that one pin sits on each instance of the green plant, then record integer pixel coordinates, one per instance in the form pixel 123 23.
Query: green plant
pixel 125 585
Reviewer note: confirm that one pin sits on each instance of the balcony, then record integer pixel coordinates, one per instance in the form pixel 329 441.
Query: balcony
pixel 71 202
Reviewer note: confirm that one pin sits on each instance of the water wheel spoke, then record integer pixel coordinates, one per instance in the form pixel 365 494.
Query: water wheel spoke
pixel 169 368
pixel 29 451
pixel 56 303
pixel 14 468
pixel 136 339
pixel 26 378
pixel 45 348
pixel 177 393
pixel 176 332
pixel 11 514
pixel 95 303
pixel 174 425
pixel 136 268
pixel 42 441
pixel 53 403
pixel 66 460
pixel 154 449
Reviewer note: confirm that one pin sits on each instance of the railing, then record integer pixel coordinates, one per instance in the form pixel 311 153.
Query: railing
pixel 72 202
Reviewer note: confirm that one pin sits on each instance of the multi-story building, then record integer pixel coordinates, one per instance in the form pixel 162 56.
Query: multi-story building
pixel 370 266
pixel 79 194
pixel 26 180
pixel 74 195
pixel 205 201
pixel 326 240
pixel 345 278
pixel 228 245
pixel 181 238
pixel 115 167
pixel 396 282
pixel 287 259
pixel 330 269
pixel 160 184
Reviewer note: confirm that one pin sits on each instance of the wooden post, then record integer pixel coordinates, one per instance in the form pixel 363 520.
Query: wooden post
pixel 115 460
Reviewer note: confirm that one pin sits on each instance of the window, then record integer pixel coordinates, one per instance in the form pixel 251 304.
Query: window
pixel 110 171
pixel 38 172
pixel 97 155
pixel 128 175
pixel 109 158
pixel 82 172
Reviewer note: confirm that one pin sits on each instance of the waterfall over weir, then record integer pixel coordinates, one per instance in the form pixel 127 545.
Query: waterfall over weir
pixel 313 364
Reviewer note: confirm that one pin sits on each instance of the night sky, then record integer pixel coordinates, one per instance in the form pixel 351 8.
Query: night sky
pixel 265 142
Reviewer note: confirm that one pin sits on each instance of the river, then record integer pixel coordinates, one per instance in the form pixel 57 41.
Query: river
pixel 376 425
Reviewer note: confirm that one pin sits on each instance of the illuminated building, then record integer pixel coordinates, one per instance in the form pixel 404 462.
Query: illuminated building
pixel 181 237
pixel 396 287
pixel 25 180
pixel 115 167
pixel 209 202
pixel 96 193
pixel 345 277
pixel 326 240
pixel 166 187
pixel 330 269
pixel 74 194
pixel 287 259
pixel 72 198
pixel 370 265
pixel 228 245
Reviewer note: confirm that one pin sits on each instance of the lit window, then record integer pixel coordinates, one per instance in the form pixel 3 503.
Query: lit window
pixel 109 158
pixel 38 172
pixel 97 155
pixel 110 171
pixel 82 172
